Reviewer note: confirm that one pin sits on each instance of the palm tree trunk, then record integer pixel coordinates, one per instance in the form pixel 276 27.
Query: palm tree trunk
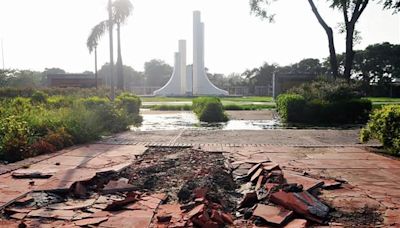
pixel 120 71
pixel 95 67
pixel 110 24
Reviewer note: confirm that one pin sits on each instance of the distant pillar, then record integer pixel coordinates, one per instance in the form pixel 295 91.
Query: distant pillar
pixel 196 49
pixel 183 75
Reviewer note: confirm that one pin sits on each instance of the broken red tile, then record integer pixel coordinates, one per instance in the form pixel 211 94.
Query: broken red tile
pixel 297 223
pixel 137 218
pixel 195 211
pixel 8 224
pixel 79 189
pixel 146 202
pixel 64 179
pixel 259 182
pixel 100 214
pixel 164 218
pixel 270 186
pixel 18 216
pixel 55 214
pixel 271 214
pixel 256 174
pixel 117 186
pixel 248 200
pixel 119 204
pixel 331 184
pixel 302 203
pixel 253 169
pixel 227 218
pixel 24 200
pixel 217 217
pixel 256 161
pixel 30 173
pixel 200 192
pixel 18 210
pixel 203 220
pixel 270 166
pixel 72 204
pixel 308 183
pixel 160 196
pixel 115 168
pixel 90 221
pixel 82 215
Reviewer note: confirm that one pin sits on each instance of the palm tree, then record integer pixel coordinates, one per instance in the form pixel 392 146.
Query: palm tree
pixel 93 40
pixel 122 9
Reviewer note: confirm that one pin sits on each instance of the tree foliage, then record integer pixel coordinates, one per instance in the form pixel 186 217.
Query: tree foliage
pixel 157 72
pixel 351 11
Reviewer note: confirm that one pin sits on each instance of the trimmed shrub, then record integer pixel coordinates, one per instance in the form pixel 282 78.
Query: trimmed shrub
pixel 294 108
pixel 209 109
pixel 384 126
pixel 324 102
pixel 291 107
pixel 328 90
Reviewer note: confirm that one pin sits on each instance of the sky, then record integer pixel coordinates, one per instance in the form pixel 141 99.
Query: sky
pixel 42 34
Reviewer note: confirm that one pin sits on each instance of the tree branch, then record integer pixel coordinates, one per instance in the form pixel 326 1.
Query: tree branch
pixel 319 18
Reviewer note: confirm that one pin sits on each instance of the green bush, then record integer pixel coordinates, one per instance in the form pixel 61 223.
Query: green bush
pixel 384 126
pixel 328 90
pixel 130 103
pixel 324 102
pixel 30 128
pixel 291 107
pixel 209 109
pixel 39 97
pixel 294 108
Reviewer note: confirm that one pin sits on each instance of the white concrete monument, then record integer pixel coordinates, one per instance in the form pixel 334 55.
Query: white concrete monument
pixel 191 80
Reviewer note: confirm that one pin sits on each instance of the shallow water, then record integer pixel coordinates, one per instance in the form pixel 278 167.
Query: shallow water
pixel 187 120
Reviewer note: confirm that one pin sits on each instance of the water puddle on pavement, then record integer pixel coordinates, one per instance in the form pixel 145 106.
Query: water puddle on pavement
pixel 187 120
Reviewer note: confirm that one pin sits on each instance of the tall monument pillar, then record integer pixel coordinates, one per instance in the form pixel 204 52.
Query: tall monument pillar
pixel 196 49
pixel 201 84
pixel 182 67
pixel 191 80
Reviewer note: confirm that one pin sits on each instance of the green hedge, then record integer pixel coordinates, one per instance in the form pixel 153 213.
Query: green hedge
pixel 209 109
pixel 384 126
pixel 33 126
pixel 296 109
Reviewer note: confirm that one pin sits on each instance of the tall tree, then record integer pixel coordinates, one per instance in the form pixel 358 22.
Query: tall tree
pixel 119 11
pixel 122 9
pixel 93 41
pixel 351 10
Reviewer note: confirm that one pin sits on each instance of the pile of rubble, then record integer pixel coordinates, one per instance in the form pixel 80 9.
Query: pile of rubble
pixel 278 198
pixel 180 188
